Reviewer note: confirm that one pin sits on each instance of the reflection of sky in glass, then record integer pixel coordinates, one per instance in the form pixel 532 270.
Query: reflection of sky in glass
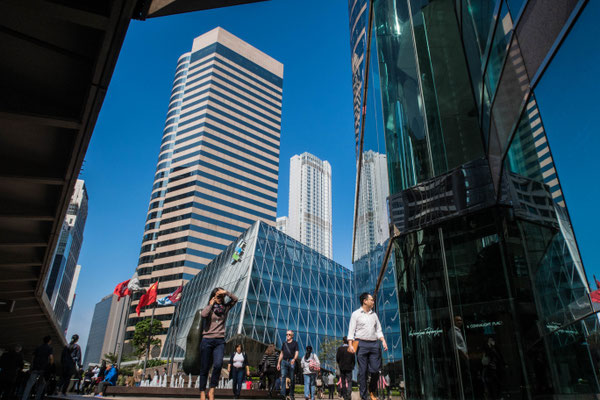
pixel 566 98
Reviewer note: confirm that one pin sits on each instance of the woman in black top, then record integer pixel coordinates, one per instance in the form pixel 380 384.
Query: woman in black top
pixel 268 367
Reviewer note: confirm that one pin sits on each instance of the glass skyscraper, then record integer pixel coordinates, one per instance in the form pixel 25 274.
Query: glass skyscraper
pixel 281 284
pixel 64 272
pixel 218 164
pixel 491 294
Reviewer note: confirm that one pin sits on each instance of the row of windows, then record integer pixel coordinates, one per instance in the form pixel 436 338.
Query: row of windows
pixel 229 115
pixel 191 239
pixel 222 65
pixel 225 192
pixel 237 59
pixel 229 183
pixel 226 82
pixel 243 106
pixel 220 201
pixel 225 171
pixel 246 151
pixel 236 133
pixel 225 92
pixel 197 228
pixel 192 252
pixel 173 277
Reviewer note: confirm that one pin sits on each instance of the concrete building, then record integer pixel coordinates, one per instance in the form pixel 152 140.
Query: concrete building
pixel 106 329
pixel 309 210
pixel 218 164
pixel 282 224
pixel 63 276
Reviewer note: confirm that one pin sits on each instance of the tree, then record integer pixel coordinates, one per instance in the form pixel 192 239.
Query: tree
pixel 328 352
pixel 143 333
pixel 111 357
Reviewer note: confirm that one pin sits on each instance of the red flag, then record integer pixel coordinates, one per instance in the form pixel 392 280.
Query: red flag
pixel 147 298
pixel 176 295
pixel 121 290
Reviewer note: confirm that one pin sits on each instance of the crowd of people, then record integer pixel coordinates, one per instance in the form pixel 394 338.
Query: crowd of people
pixel 43 377
pixel 278 369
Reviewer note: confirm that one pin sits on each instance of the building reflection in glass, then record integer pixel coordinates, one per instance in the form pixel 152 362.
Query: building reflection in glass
pixel 481 279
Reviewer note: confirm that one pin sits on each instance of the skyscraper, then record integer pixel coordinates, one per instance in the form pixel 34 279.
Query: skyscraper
pixel 218 164
pixel 64 273
pixel 106 329
pixel 482 253
pixel 310 203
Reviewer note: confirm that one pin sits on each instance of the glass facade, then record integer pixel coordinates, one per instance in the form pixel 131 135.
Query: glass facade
pixel 481 276
pixel 281 284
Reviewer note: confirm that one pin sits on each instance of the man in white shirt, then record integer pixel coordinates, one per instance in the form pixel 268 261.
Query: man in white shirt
pixel 365 329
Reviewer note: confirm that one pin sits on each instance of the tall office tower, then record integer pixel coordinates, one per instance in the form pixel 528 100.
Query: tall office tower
pixel 309 209
pixel 282 224
pixel 218 165
pixel 63 276
pixel 105 329
pixel 372 228
pixel 483 256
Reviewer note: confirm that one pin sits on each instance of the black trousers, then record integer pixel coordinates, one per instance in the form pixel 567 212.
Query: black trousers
pixel 346 377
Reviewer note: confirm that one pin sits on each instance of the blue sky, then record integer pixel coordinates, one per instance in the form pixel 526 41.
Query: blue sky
pixel 121 159
pixel 311 39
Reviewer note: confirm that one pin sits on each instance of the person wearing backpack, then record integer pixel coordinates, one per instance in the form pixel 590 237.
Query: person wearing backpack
pixel 238 364
pixel 287 363
pixel 268 368
pixel 310 367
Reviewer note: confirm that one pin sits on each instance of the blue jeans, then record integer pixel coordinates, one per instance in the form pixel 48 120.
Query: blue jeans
pixel 287 369
pixel 237 374
pixel 369 362
pixel 309 386
pixel 211 354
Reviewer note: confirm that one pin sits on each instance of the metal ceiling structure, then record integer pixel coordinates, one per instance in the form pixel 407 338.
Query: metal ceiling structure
pixel 57 59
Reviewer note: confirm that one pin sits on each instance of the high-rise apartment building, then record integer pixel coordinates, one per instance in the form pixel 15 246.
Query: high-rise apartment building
pixel 282 224
pixel 218 164
pixel 64 272
pixel 309 213
pixel 106 329
pixel 482 263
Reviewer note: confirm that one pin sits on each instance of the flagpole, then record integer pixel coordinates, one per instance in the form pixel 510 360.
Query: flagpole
pixel 149 337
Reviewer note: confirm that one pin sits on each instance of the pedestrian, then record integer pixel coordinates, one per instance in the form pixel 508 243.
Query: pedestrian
pixel 42 360
pixel 310 367
pixel 212 346
pixel 110 379
pixel 365 332
pixel 237 368
pixel 71 363
pixel 287 362
pixel 345 361
pixel 331 385
pixel 11 364
pixel 268 367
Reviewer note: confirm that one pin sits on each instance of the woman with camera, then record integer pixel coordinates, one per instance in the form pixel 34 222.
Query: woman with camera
pixel 212 346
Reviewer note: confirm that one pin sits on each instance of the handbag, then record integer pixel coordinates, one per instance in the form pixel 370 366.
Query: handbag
pixel 354 345
pixel 314 365
pixel 191 362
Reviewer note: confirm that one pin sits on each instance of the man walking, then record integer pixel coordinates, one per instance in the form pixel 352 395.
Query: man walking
pixel 42 359
pixel 365 329
pixel 287 362
pixel 345 361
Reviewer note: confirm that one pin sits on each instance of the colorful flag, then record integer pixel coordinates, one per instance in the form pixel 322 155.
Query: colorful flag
pixel 134 283
pixel 147 298
pixel 121 290
pixel 172 298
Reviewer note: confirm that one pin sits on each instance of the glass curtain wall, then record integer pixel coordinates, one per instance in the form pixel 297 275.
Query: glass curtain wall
pixel 490 289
